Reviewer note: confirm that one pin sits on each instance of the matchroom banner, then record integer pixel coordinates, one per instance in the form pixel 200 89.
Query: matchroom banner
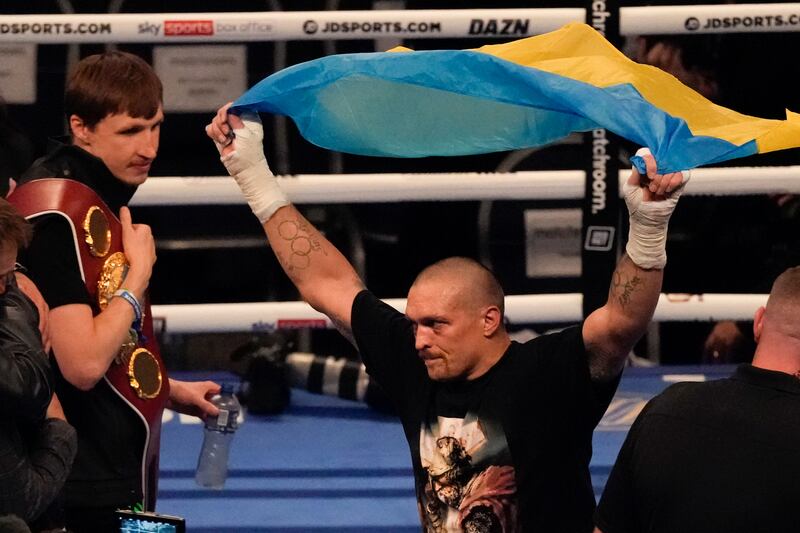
pixel 601 215
pixel 601 201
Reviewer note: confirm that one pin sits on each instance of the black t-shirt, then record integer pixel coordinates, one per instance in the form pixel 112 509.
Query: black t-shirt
pixel 107 468
pixel 707 457
pixel 510 449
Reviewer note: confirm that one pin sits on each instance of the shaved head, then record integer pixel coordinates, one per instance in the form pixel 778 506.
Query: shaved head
pixel 476 285
pixel 456 308
pixel 783 305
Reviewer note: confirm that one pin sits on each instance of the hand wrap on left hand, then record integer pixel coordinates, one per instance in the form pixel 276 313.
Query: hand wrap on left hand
pixel 647 237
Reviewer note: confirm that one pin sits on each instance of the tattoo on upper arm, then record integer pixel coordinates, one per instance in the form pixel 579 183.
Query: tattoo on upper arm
pixel 302 242
pixel 623 288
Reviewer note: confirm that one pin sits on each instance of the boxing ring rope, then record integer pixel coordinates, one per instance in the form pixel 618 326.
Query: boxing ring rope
pixel 520 309
pixel 369 24
pixel 419 24
pixel 742 18
pixel 376 188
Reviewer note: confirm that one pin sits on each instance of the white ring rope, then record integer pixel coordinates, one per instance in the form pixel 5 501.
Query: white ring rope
pixel 282 25
pixel 360 188
pixel 372 24
pixel 742 18
pixel 520 309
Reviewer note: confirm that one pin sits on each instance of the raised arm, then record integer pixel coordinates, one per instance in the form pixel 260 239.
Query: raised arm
pixel 611 331
pixel 324 277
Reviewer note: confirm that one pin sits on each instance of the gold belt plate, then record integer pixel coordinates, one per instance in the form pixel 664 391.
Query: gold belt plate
pixel 97 231
pixel 112 275
pixel 144 374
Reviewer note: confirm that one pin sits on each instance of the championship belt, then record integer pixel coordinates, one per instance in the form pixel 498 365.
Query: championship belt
pixel 137 373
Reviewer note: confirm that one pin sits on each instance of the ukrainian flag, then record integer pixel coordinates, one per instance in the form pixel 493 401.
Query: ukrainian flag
pixel 520 94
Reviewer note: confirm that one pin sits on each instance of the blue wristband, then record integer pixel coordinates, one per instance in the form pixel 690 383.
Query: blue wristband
pixel 129 297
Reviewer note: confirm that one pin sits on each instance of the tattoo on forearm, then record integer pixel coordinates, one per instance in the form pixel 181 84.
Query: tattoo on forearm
pixel 623 289
pixel 302 242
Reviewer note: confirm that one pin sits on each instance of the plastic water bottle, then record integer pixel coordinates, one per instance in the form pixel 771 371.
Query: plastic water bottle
pixel 212 465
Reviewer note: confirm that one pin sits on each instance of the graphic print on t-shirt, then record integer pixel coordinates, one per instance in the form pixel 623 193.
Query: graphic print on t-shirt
pixel 470 484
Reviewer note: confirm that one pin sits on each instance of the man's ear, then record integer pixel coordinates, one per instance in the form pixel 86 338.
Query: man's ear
pixel 492 320
pixel 758 323
pixel 79 130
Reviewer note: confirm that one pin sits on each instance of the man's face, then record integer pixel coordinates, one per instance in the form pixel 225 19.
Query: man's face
pixel 447 331
pixel 8 260
pixel 127 145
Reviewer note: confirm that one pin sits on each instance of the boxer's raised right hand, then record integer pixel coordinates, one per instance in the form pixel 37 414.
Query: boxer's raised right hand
pixel 240 142
pixel 219 131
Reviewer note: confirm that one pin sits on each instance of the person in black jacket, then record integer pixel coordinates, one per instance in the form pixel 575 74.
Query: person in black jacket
pixel 720 455
pixel 37 445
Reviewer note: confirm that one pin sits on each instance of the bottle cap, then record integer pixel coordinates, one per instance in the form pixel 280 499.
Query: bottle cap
pixel 226 388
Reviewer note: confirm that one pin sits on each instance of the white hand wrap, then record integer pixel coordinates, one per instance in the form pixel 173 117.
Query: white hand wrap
pixel 647 237
pixel 249 168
